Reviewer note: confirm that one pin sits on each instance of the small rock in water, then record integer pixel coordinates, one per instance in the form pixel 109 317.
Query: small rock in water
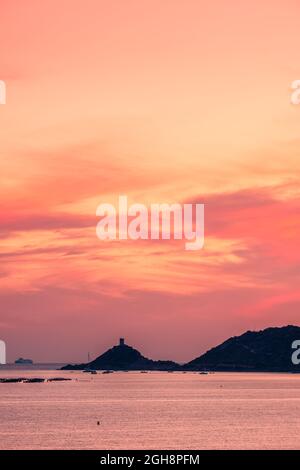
pixel 33 381
pixel 12 380
pixel 58 379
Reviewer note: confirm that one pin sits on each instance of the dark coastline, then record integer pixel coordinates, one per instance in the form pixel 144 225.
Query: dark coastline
pixel 269 350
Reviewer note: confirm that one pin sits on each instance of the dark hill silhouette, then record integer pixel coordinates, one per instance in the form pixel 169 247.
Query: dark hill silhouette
pixel 124 357
pixel 269 350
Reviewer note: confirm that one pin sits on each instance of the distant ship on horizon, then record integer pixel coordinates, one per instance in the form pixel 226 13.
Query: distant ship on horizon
pixel 21 360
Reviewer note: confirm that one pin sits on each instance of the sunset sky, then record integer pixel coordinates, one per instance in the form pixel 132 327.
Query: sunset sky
pixel 163 101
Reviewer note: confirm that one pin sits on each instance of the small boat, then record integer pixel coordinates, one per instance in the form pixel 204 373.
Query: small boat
pixel 144 372
pixel 203 372
pixel 107 372
pixel 23 361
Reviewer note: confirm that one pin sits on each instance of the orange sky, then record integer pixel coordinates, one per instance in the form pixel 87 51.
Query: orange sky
pixel 165 101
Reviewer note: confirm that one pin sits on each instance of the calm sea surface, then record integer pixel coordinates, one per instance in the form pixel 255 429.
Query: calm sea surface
pixel 150 411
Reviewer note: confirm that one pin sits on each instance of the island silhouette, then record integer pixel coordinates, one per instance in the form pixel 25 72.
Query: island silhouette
pixel 269 350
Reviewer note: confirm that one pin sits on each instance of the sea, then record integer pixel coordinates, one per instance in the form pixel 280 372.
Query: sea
pixel 154 410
